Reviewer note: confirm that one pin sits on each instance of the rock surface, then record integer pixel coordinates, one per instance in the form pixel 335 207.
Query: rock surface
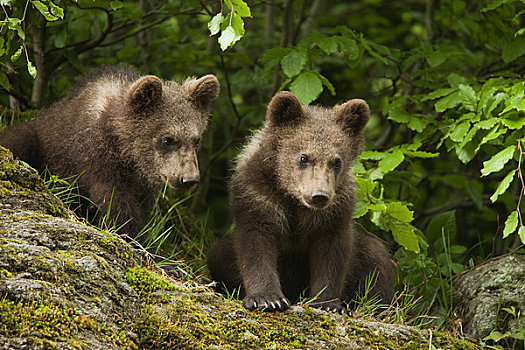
pixel 66 285
pixel 498 284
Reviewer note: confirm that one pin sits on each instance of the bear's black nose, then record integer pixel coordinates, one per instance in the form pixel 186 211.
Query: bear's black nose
pixel 189 181
pixel 320 198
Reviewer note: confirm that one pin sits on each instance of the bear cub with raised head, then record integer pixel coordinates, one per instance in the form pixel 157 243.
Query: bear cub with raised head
pixel 124 135
pixel 292 201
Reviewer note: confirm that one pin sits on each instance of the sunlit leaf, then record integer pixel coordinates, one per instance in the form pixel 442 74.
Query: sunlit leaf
pixel 391 161
pixel 115 5
pixel 31 69
pixel 521 233
pixel 42 8
pixel 503 185
pixel 307 87
pixel 404 235
pixel 498 161
pixel 240 7
pixel 510 224
pixel 215 24
pixel 399 211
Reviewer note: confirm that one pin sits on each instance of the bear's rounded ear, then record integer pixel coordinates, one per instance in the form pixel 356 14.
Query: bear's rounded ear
pixel 352 115
pixel 284 110
pixel 145 93
pixel 202 92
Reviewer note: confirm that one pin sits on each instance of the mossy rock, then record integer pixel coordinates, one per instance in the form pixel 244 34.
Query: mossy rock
pixel 66 285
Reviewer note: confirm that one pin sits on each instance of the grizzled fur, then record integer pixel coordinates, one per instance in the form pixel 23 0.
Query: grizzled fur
pixel 126 135
pixel 292 201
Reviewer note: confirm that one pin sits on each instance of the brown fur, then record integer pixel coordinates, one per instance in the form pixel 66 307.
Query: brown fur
pixel 125 135
pixel 293 216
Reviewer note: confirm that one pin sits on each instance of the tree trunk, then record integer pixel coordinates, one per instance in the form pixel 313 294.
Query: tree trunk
pixel 40 83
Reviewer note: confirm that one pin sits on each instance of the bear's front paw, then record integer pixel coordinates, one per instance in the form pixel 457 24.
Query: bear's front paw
pixel 266 302
pixel 332 306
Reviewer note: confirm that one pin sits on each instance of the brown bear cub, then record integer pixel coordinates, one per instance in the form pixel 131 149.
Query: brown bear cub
pixel 292 201
pixel 124 135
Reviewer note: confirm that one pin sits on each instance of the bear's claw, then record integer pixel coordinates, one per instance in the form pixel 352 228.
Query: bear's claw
pixel 265 302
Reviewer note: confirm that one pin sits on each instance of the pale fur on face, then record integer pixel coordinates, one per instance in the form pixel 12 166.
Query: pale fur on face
pixel 175 116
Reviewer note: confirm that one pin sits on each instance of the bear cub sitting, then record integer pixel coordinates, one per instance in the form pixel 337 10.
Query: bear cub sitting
pixel 292 201
pixel 124 135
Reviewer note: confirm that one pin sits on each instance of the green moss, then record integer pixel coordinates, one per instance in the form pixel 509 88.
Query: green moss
pixel 55 322
pixel 16 180
pixel 146 282
pixel 187 326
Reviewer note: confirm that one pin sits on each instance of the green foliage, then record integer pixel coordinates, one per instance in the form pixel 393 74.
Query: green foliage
pixel 231 26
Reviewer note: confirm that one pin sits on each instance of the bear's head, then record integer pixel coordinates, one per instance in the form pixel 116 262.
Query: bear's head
pixel 162 127
pixel 315 146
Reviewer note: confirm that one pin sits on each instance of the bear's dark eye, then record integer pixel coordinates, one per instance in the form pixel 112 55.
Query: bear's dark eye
pixel 303 160
pixel 197 144
pixel 337 164
pixel 168 141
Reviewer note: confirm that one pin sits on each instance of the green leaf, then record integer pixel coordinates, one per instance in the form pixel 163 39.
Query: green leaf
pixel 42 8
pixel 293 63
pixel 420 154
pixel 442 223
pixel 31 69
pixel 273 56
pixel 227 38
pixel 459 132
pixel 399 211
pixel 495 102
pixel 438 93
pixel 513 50
pixel 498 161
pixel 4 81
pixel 391 161
pixel 14 24
pixel 307 87
pixel 493 5
pixel 328 44
pixel 511 224
pixel 372 155
pixel 503 185
pixel 448 102
pixel 417 124
pixel 435 58
pixel 349 46
pixel 215 24
pixel 115 5
pixel 326 83
pixel 232 33
pixel 514 123
pixel 455 79
pixel 487 124
pixel 367 46
pixel 241 8
pixel 398 114
pixel 521 233
pixel 360 209
pixel 58 11
pixel 17 54
pixel 468 96
pixel 404 235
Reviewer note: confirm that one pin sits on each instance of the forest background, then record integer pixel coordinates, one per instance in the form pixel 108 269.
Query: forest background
pixel 441 176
